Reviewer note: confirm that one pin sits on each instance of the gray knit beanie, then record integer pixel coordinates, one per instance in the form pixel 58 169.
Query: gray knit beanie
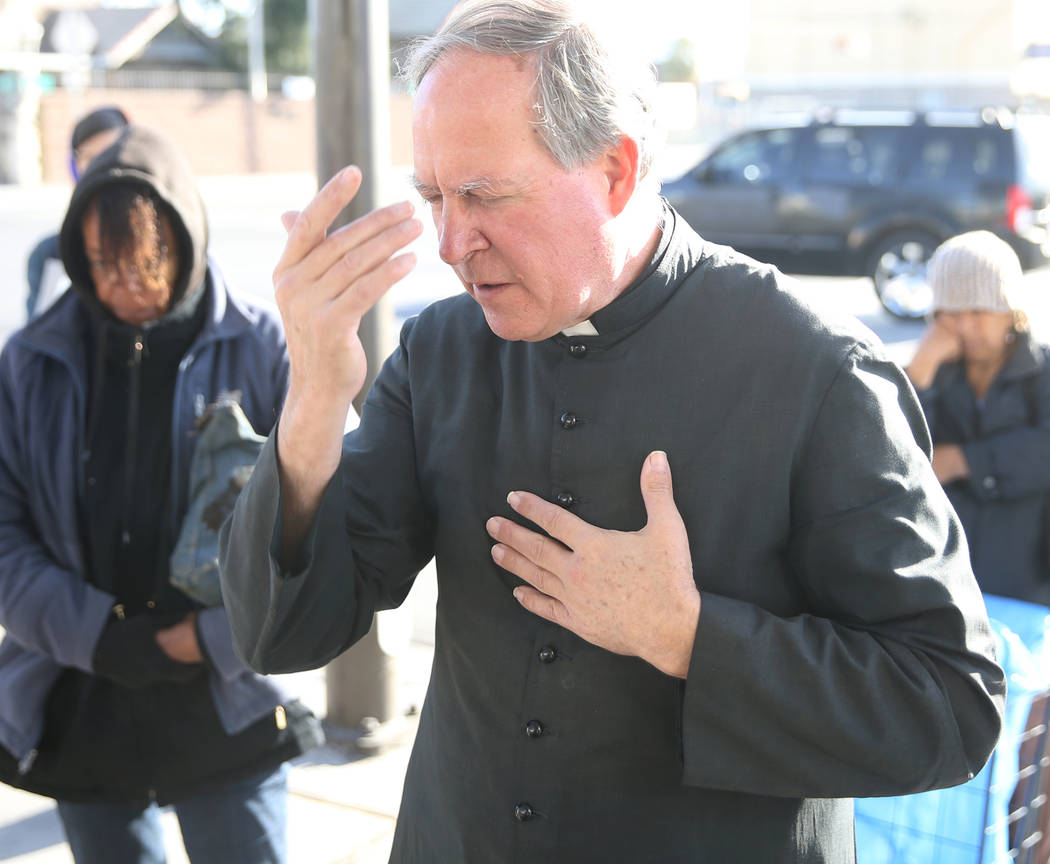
pixel 976 270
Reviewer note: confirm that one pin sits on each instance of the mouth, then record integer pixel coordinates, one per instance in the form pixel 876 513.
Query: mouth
pixel 483 289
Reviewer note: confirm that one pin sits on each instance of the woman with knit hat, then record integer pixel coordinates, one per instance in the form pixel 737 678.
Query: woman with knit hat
pixel 984 383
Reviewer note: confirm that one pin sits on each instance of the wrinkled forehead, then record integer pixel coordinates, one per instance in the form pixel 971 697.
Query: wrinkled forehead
pixel 461 77
pixel 475 111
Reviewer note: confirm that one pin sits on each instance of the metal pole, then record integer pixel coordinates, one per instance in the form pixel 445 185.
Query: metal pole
pixel 353 126
pixel 352 50
pixel 257 53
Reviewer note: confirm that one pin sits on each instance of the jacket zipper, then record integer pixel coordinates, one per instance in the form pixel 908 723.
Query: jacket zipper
pixel 138 348
pixel 176 435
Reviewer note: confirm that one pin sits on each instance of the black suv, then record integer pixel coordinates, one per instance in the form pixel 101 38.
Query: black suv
pixel 874 193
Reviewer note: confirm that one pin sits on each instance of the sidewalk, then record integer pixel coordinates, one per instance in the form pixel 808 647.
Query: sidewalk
pixel 341 807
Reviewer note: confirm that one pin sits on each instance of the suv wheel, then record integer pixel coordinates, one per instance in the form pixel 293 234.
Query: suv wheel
pixel 897 266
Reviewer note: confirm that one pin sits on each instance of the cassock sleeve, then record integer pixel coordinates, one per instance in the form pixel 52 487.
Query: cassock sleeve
pixel 887 683
pixel 290 620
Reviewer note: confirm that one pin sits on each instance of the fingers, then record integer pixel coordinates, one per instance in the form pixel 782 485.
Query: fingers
pixel 521 566
pixel 313 251
pixel 542 605
pixel 311 224
pixel 657 491
pixel 361 248
pixel 555 520
pixel 530 545
pixel 365 292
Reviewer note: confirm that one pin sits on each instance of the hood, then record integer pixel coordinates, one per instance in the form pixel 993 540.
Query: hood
pixel 142 156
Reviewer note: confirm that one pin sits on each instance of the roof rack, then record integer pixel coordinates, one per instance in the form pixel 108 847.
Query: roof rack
pixel 962 116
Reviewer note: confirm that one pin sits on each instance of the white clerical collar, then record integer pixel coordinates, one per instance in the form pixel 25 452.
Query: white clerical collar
pixel 584 328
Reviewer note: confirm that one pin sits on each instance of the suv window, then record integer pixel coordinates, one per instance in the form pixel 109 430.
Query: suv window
pixel 855 154
pixel 961 154
pixel 1033 145
pixel 756 157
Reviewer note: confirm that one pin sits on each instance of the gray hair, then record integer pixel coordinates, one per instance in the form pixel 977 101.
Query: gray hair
pixel 586 98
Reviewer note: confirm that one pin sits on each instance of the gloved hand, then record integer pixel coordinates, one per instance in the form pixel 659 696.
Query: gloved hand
pixel 127 653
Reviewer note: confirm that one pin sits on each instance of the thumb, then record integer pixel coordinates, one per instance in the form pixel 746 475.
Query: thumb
pixel 288 219
pixel 657 491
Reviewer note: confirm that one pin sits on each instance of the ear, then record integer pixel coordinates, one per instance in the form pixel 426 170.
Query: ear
pixel 620 164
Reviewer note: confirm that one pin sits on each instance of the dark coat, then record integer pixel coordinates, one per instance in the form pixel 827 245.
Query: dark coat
pixel 52 606
pixel 842 646
pixel 1006 440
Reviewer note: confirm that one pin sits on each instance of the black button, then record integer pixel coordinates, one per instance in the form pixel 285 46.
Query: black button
pixel 547 654
pixel 534 729
pixel 577 349
pixel 568 420
pixel 523 812
pixel 565 499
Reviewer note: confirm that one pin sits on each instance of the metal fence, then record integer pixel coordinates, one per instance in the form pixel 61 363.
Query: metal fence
pixel 1029 817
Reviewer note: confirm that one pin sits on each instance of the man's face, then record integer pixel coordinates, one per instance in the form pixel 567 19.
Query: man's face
pixel 525 236
pixel 122 286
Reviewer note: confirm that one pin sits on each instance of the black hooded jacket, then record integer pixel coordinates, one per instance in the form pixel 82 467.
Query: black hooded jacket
pixel 144 727
pixel 132 381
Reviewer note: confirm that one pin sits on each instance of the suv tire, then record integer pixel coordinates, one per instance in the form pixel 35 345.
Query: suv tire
pixel 897 266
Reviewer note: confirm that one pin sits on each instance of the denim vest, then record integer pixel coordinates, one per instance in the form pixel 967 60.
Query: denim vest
pixel 227 447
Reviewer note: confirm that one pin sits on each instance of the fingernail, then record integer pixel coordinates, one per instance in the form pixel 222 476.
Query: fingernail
pixel 658 461
pixel 517 592
pixel 498 553
pixel 513 499
pixel 492 526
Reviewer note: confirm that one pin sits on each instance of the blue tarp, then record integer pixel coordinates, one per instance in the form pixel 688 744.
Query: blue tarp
pixel 967 824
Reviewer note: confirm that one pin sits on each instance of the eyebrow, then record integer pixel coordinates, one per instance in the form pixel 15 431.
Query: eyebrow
pixel 483 184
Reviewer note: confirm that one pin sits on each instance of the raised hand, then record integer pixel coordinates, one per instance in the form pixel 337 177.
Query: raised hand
pixel 324 285
pixel 629 592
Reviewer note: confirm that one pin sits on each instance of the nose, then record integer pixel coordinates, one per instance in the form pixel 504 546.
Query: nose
pixel 458 235
pixel 131 277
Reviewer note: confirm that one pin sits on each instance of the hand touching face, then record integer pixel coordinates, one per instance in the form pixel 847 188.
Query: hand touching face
pixel 982 336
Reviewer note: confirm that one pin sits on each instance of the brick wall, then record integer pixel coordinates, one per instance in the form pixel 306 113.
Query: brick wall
pixel 221 131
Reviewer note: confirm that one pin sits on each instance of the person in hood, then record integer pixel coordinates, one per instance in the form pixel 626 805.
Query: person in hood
pixel 119 692
pixel 92 134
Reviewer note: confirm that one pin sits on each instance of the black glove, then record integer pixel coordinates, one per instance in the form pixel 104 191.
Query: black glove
pixel 127 653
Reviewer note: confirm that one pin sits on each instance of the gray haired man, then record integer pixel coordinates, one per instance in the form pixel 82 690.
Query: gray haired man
pixel 624 670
